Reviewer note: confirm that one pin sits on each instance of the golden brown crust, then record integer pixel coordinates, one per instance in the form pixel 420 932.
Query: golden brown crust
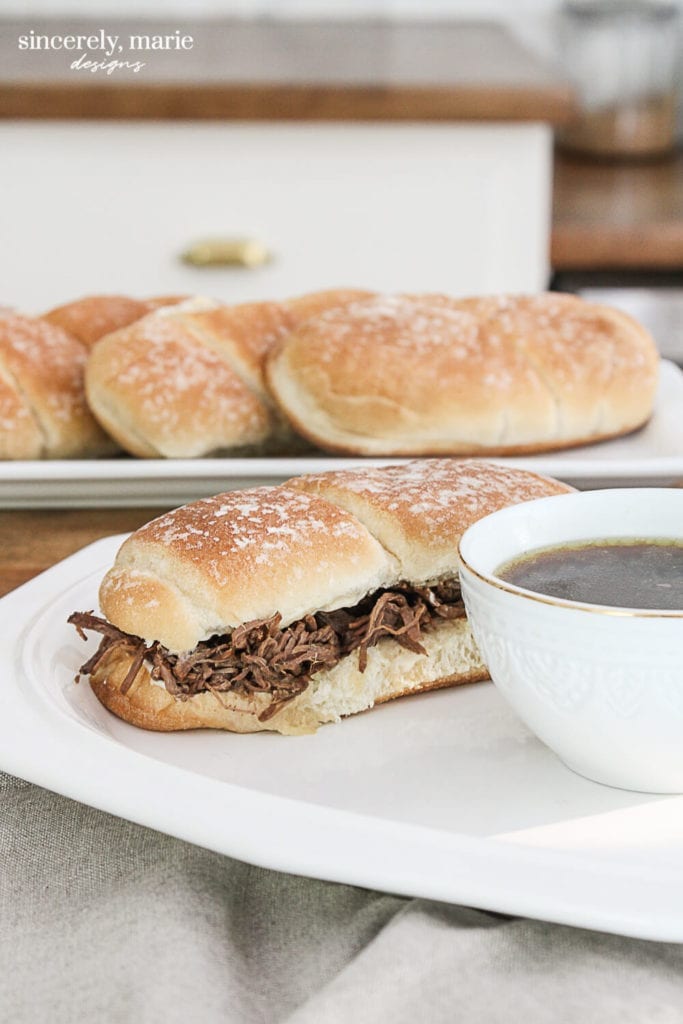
pixel 90 318
pixel 446 448
pixel 160 301
pixel 243 335
pixel 188 381
pixel 43 412
pixel 304 307
pixel 153 707
pixel 20 435
pixel 599 364
pixel 402 375
pixel 419 510
pixel 160 390
pixel 479 675
pixel 240 556
pixel 320 541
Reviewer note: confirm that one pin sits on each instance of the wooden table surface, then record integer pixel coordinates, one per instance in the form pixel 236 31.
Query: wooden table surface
pixel 31 541
pixel 618 216
pixel 274 69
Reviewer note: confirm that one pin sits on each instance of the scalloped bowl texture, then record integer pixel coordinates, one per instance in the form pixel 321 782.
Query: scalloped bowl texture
pixel 601 686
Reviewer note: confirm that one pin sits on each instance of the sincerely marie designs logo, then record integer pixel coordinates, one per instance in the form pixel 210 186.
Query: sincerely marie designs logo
pixel 100 51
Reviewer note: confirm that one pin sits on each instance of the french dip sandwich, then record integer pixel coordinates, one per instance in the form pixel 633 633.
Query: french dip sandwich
pixel 282 608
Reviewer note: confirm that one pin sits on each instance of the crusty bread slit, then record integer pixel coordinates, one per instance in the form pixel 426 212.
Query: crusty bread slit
pixel 309 549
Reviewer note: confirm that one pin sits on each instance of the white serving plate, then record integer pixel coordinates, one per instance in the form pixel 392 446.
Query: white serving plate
pixel 652 456
pixel 445 796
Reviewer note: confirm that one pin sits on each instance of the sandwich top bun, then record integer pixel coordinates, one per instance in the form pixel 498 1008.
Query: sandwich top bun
pixel 418 511
pixel 429 374
pixel 43 412
pixel 209 566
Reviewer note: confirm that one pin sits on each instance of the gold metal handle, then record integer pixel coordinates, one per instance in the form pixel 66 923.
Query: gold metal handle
pixel 227 252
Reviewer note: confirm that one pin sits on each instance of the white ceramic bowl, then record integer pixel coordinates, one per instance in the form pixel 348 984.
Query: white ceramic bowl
pixel 602 686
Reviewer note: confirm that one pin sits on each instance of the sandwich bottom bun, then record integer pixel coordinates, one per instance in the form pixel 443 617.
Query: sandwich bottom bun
pixel 392 671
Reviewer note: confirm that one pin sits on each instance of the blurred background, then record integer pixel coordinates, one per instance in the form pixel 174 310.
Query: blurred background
pixel 447 145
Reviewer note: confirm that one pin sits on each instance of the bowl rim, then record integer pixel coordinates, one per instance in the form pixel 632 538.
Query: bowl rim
pixel 614 611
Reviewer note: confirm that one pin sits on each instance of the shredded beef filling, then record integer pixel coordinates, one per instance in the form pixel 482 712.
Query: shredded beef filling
pixel 260 657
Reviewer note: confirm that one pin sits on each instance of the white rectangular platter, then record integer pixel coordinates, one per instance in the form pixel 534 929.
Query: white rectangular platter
pixel 652 456
pixel 445 796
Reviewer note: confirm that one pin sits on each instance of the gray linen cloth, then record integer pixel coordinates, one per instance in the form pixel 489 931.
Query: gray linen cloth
pixel 103 920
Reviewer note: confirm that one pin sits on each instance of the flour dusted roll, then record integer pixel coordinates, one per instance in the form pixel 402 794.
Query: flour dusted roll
pixel 599 365
pixel 43 411
pixel 286 607
pixel 187 380
pixel 246 333
pixel 303 307
pixel 243 335
pixel 163 389
pixel 400 375
pixel 90 318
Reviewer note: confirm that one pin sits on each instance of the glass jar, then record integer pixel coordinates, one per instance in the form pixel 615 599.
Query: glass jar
pixel 621 56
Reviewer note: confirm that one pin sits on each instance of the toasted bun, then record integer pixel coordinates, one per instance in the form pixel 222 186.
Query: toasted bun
pixel 396 375
pixel 43 412
pixel 392 671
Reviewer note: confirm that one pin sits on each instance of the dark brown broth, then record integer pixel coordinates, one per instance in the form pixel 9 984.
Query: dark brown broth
pixel 622 572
